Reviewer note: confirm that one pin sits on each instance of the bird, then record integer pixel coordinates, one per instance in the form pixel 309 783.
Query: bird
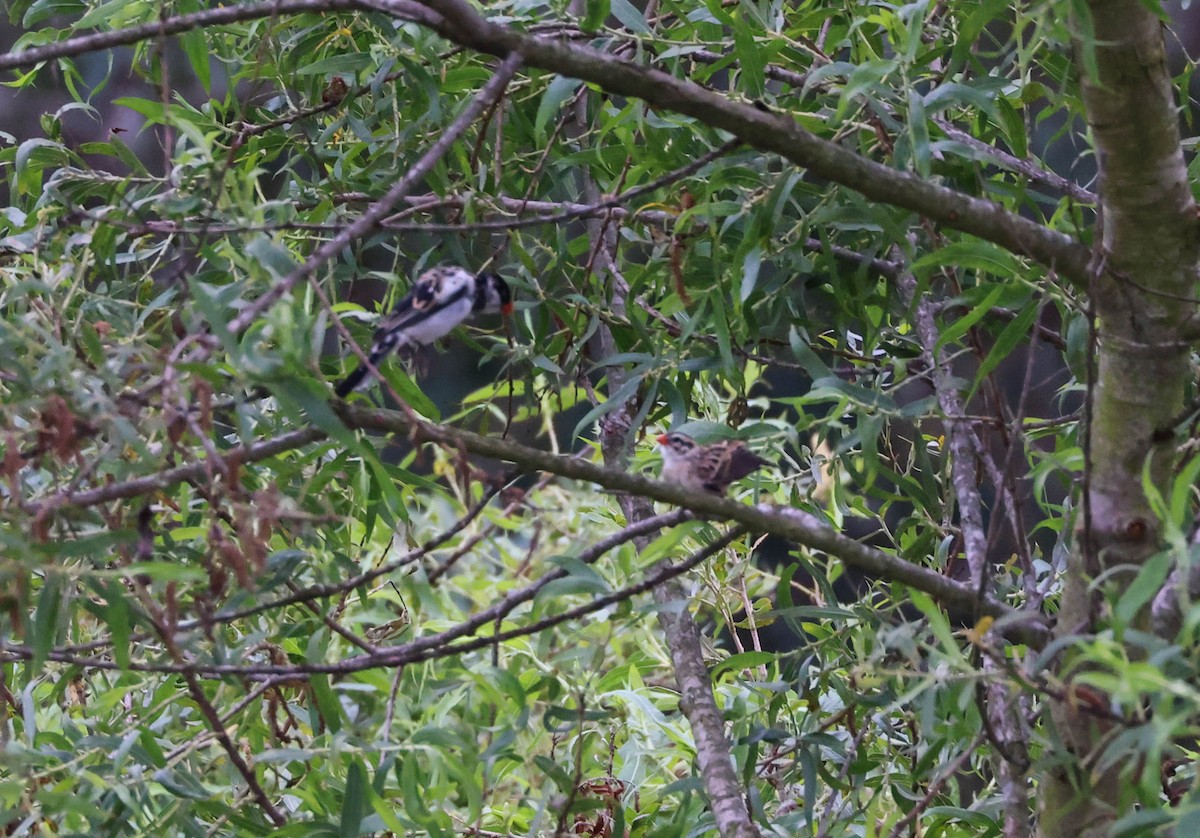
pixel 439 300
pixel 708 467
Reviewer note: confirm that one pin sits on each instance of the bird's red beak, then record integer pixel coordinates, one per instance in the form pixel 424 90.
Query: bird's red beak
pixel 662 439
pixel 506 309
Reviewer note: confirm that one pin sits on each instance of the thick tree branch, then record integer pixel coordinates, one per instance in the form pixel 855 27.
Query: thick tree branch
pixel 792 524
pixel 1151 240
pixel 778 133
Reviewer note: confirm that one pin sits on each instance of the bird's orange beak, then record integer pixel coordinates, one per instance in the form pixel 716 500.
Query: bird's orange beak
pixel 662 439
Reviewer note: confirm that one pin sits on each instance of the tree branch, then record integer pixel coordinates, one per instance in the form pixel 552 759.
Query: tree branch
pixel 185 23
pixel 792 524
pixel 778 133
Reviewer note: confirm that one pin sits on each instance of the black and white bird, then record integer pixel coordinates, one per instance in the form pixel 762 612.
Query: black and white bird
pixel 708 467
pixel 439 300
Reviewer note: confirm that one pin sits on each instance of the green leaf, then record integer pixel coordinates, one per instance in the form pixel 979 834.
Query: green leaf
pixel 833 387
pixel 629 16
pixel 937 618
pixel 44 9
pixel 717 10
pixel 327 703
pixel 560 89
pixel 385 810
pixel 277 259
pixel 33 158
pixel 970 254
pixel 1085 40
pixel 750 59
pixel 720 325
pixel 157 571
pixel 595 13
pixel 952 94
pixel 1012 126
pixel 812 613
pixel 308 402
pixel 181 784
pixel 354 802
pixel 751 262
pixel 195 47
pixel 112 14
pixel 743 661
pixel 806 357
pixel 412 394
pixel 1014 333
pixel 117 615
pixel 1078 338
pixel 345 64
pixel 152 110
pixel 1181 494
pixel 1145 585
pixel 616 400
pixel 963 324
pixel 46 617
pixel 918 134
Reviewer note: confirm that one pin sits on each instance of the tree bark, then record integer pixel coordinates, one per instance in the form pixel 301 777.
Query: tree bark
pixel 1143 280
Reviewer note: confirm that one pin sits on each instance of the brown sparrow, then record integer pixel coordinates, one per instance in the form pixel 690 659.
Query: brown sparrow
pixel 708 467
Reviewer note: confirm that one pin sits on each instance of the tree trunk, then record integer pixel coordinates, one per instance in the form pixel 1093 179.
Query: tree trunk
pixel 1143 280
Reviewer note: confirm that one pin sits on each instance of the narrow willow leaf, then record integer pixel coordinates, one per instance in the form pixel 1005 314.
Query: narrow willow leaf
pixel 327 709
pixel 557 92
pixel 1145 585
pixel 45 619
pixel 595 13
pixel 629 16
pixel 195 46
pixel 1015 332
pixel 963 324
pixel 354 802
pixel 751 263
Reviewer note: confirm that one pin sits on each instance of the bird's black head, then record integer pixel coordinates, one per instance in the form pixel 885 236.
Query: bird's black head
pixel 492 294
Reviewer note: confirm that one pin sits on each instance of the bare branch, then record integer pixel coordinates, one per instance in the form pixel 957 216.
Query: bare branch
pixel 961 437
pixel 195 470
pixel 210 17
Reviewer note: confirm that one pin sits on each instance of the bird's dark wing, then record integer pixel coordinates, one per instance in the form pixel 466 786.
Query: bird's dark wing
pixel 346 386
pixel 408 308
pixel 386 334
pixel 724 463
pixel 415 307
pixel 741 462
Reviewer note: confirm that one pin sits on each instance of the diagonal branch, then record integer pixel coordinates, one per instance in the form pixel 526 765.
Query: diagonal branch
pixel 792 524
pixel 778 133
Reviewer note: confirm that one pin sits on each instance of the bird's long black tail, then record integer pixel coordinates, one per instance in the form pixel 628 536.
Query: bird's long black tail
pixel 346 385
